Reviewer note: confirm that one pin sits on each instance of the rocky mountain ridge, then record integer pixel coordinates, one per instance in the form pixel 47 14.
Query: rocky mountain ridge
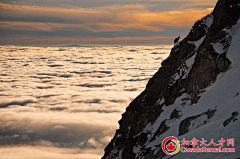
pixel 178 99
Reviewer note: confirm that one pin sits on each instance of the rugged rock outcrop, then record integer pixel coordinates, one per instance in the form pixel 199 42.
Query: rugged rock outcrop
pixel 178 98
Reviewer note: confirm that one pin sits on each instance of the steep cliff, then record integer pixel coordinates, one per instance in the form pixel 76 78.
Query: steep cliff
pixel 194 94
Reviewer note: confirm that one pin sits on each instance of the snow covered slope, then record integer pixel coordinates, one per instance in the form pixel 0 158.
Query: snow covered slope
pixel 196 93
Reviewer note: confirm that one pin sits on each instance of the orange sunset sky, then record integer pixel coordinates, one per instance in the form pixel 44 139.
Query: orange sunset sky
pixel 98 22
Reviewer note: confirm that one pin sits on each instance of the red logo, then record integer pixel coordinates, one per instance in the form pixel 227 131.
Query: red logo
pixel 170 145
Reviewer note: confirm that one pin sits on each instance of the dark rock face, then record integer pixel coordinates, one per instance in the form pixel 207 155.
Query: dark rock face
pixel 226 13
pixel 175 78
pixel 184 125
pixel 232 118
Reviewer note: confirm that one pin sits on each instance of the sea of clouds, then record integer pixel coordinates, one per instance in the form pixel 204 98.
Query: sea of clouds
pixel 64 102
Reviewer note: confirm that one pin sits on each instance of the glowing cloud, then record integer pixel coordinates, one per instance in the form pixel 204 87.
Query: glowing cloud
pixel 111 20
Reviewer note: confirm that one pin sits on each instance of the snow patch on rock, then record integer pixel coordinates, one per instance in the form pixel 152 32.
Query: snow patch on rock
pixel 198 42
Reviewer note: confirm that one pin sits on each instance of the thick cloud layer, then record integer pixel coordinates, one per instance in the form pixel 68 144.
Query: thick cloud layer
pixel 65 102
